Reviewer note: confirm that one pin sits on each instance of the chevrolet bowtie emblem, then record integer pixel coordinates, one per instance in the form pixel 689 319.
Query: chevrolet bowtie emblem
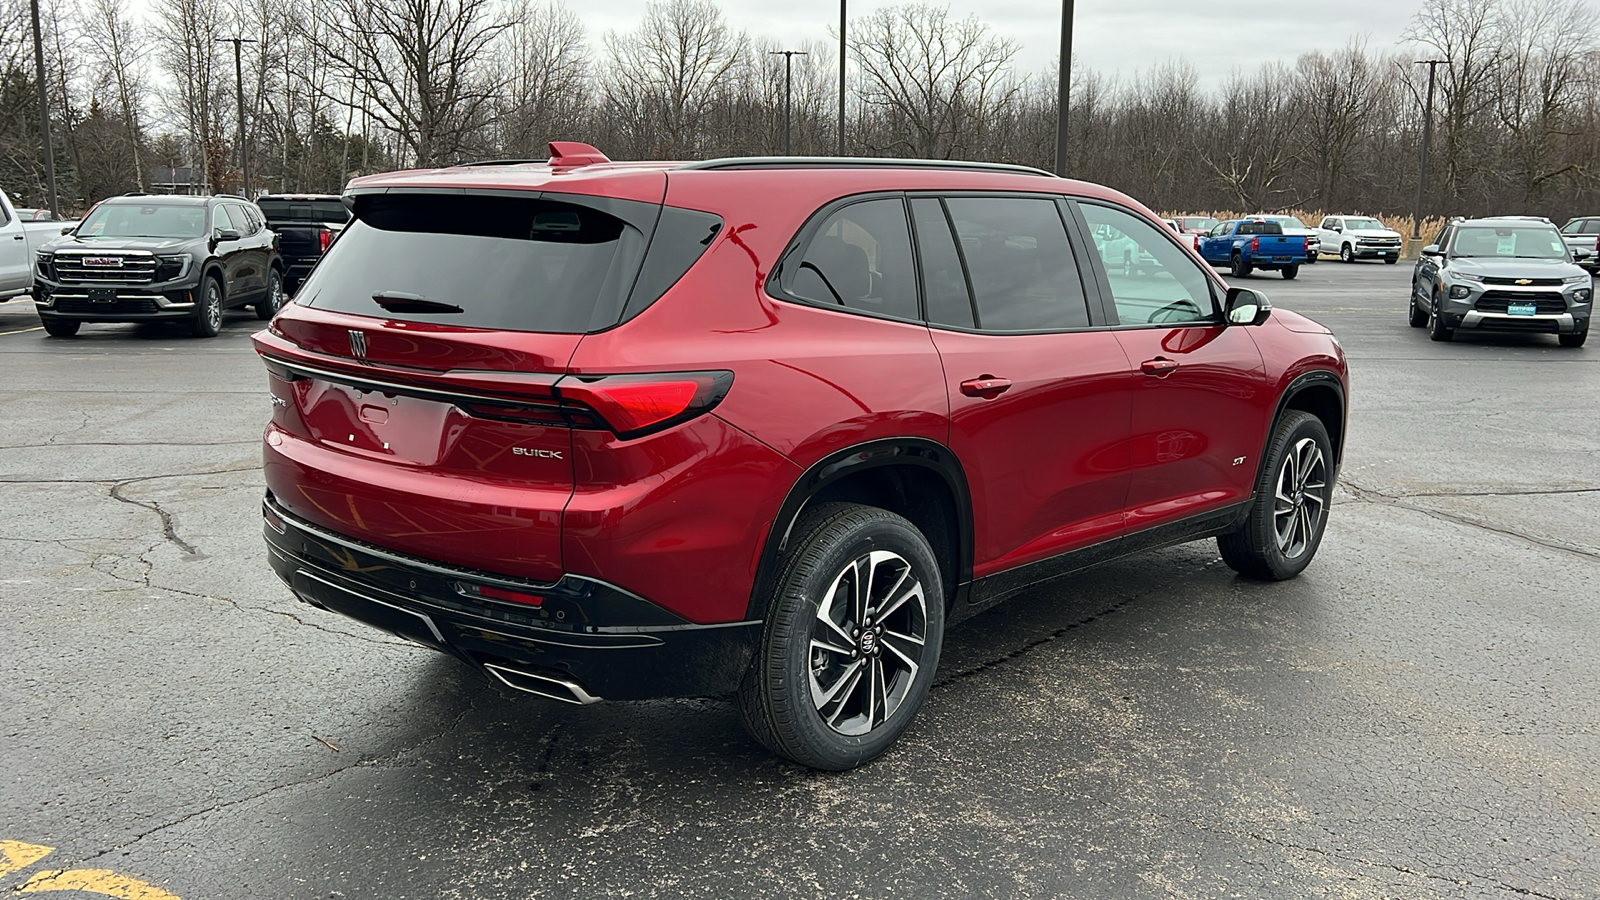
pixel 1524 281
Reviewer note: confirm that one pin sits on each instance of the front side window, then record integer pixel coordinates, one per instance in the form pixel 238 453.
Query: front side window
pixel 1509 242
pixel 222 221
pixel 1019 263
pixel 1153 281
pixel 860 259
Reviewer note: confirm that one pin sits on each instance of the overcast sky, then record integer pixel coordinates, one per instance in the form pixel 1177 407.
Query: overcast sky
pixel 1110 35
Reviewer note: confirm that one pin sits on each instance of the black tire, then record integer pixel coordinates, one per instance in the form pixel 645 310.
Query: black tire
pixel 1238 267
pixel 1390 260
pixel 1574 339
pixel 208 309
pixel 1437 329
pixel 1299 456
pixel 779 697
pixel 1416 315
pixel 268 306
pixel 1289 272
pixel 61 327
pixel 1346 254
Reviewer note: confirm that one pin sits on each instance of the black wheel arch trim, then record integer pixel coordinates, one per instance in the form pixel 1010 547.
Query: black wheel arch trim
pixel 895 451
pixel 1315 378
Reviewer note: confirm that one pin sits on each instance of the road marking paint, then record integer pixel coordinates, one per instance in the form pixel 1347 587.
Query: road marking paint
pixel 104 882
pixel 22 331
pixel 16 855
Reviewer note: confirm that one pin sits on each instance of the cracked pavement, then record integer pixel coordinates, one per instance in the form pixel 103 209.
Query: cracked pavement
pixel 1416 716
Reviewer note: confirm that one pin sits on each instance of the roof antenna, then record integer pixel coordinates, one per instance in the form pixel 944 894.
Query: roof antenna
pixel 570 154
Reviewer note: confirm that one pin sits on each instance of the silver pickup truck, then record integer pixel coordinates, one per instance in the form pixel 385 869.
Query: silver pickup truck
pixel 1584 234
pixel 19 237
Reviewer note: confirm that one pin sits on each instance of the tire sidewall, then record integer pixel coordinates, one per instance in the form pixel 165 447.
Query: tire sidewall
pixel 843 539
pixel 269 305
pixel 1301 425
pixel 211 298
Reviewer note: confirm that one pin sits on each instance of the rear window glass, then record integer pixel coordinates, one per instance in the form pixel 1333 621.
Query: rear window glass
pixel 304 210
pixel 1260 228
pixel 507 263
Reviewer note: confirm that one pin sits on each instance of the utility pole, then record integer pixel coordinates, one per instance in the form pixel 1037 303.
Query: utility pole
pixel 788 92
pixel 1427 137
pixel 841 74
pixel 1064 87
pixel 238 75
pixel 44 115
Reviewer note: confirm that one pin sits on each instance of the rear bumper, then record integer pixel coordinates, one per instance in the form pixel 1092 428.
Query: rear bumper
pixel 585 641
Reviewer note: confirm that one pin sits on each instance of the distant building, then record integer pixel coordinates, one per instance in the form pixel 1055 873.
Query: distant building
pixel 174 180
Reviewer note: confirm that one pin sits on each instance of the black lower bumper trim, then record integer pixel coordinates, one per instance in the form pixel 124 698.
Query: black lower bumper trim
pixel 610 643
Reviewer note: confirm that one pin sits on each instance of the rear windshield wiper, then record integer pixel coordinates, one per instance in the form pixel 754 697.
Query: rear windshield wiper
pixel 401 302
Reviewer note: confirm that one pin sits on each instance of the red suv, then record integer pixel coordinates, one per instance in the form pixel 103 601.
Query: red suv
pixel 768 426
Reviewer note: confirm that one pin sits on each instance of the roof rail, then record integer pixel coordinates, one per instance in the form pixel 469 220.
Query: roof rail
pixel 502 162
pixel 848 162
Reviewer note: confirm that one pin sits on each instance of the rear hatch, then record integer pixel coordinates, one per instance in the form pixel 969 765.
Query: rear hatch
pixel 415 377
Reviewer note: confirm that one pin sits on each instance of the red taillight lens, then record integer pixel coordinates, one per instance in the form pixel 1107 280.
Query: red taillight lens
pixel 1255 244
pixel 494 593
pixel 325 239
pixel 635 405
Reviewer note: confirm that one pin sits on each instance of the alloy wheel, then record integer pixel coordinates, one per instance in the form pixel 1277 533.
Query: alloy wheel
pixel 868 642
pixel 1302 498
pixel 214 306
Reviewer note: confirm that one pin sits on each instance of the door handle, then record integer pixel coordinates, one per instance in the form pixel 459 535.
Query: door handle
pixel 1160 367
pixel 19 237
pixel 986 386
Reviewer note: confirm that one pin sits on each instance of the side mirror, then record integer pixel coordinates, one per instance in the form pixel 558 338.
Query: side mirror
pixel 227 234
pixel 1581 254
pixel 1338 228
pixel 67 229
pixel 1247 307
pixel 1431 250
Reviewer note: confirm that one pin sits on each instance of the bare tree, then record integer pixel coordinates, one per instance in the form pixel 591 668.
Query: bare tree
pixel 666 75
pixel 115 46
pixel 545 74
pixel 937 81
pixel 1338 97
pixel 187 32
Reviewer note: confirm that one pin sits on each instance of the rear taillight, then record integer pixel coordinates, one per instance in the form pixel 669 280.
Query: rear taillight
pixel 635 405
pixel 1255 244
pixel 325 239
pixel 494 593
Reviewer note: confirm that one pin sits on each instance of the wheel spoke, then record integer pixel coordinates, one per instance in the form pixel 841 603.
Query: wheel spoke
pixel 897 601
pixel 874 678
pixel 854 680
pixel 858 597
pixel 817 644
pixel 910 665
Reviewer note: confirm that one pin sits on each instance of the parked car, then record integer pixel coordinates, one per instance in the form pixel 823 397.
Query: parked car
pixel 19 234
pixel 724 427
pixel 1503 274
pixel 38 215
pixel 1194 226
pixel 1584 234
pixel 1293 226
pixel 139 258
pixel 1359 237
pixel 306 225
pixel 1245 245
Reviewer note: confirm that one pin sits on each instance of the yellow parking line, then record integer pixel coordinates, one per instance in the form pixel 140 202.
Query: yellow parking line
pixel 22 331
pixel 104 882
pixel 15 855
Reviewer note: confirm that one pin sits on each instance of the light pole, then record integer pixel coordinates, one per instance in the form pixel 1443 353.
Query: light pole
pixel 841 75
pixel 238 76
pixel 44 115
pixel 1427 136
pixel 1064 87
pixel 788 92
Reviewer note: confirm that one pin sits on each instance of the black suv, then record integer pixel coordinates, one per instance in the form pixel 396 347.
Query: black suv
pixel 139 257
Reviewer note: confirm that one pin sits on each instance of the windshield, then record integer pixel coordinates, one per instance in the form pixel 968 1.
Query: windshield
pixel 146 220
pixel 1364 225
pixel 1509 242
pixel 1287 222
pixel 303 210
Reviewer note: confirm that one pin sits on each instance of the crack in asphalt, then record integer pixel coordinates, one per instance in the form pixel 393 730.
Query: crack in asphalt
pixel 1456 880
pixel 1371 495
pixel 366 762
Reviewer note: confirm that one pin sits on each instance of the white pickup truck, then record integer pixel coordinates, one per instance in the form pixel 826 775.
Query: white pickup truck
pixel 18 241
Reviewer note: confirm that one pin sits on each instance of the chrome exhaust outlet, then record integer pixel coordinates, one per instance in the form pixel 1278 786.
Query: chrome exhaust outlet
pixel 547 686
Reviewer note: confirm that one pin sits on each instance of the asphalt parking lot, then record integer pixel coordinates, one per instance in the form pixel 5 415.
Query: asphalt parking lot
pixel 1416 716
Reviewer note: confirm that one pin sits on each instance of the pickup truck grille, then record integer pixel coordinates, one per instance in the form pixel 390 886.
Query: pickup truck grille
pixel 1545 303
pixel 1378 242
pixel 97 269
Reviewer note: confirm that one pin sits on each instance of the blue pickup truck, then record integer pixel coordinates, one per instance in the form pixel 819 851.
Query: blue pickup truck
pixel 1245 245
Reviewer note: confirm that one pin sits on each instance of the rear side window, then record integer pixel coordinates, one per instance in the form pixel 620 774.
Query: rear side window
pixel 1019 264
pixel 860 259
pixel 507 263
pixel 1590 226
pixel 304 210
pixel 943 280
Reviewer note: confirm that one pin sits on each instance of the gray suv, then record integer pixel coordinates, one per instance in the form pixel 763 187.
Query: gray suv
pixel 1505 275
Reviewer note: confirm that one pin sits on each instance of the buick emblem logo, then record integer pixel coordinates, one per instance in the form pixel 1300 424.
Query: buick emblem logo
pixel 358 344
pixel 103 262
